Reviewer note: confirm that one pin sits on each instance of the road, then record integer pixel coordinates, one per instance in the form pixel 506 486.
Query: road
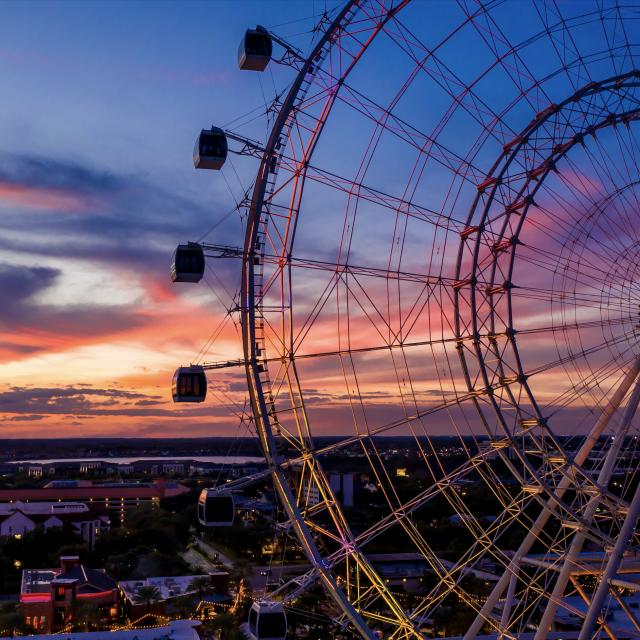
pixel 262 574
pixel 259 581
pixel 212 552
pixel 197 561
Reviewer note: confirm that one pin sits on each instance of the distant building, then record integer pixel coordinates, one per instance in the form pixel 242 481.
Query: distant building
pixel 172 469
pixel 149 466
pixel 18 518
pixel 343 487
pixel 49 597
pixel 91 467
pixel 116 497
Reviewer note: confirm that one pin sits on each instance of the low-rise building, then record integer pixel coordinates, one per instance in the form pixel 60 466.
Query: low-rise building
pixel 168 589
pixel 49 598
pixel 343 486
pixel 18 518
pixel 116 497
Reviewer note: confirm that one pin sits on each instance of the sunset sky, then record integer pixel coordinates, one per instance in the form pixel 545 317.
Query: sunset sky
pixel 101 104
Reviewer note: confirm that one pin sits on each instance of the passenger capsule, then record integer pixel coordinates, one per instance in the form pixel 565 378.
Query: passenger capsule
pixel 216 509
pixel 267 621
pixel 255 50
pixel 187 264
pixel 189 384
pixel 211 149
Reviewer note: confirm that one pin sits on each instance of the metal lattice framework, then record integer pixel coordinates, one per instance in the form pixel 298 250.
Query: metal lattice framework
pixel 442 243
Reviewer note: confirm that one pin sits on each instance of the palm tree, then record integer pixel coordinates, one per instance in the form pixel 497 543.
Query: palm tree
pixel 147 595
pixel 200 584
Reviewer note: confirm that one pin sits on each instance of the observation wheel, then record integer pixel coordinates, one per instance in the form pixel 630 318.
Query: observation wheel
pixel 440 271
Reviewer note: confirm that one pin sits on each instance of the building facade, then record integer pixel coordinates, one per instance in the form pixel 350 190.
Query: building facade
pixel 50 598
pixel 117 498
pixel 18 518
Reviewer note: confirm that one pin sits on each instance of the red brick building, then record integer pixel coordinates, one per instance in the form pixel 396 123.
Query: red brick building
pixel 116 497
pixel 49 598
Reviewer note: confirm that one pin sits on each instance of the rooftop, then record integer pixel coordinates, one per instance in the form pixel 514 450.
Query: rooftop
pixel 175 630
pixel 89 581
pixel 84 490
pixel 169 586
pixel 35 508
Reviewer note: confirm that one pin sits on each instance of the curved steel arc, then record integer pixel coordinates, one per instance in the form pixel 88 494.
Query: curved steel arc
pixel 249 336
pixel 251 283
pixel 493 372
pixel 525 196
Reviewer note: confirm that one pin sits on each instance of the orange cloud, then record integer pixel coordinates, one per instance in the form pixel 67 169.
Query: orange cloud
pixel 41 197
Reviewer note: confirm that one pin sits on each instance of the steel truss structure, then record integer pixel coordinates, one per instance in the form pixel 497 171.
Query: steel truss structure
pixel 442 244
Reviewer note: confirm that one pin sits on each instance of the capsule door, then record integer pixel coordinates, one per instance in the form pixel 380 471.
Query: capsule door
pixel 255 50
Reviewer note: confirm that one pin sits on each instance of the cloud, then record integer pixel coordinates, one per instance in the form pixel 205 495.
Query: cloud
pixel 70 400
pixel 14 347
pixel 46 184
pixel 45 172
pixel 74 402
pixel 31 327
pixel 18 284
pixel 129 222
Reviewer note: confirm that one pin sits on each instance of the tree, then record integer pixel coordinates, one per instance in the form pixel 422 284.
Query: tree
pixel 11 621
pixel 200 584
pixel 87 616
pixel 242 569
pixel 147 595
pixel 183 605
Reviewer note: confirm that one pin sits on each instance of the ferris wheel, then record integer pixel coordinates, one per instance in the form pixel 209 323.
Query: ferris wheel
pixel 443 246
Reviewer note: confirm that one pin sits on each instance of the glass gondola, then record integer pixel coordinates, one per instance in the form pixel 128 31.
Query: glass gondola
pixel 211 149
pixel 255 50
pixel 267 621
pixel 189 384
pixel 187 264
pixel 216 509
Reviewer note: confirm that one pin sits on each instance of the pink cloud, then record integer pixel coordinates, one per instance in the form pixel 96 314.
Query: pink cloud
pixel 41 198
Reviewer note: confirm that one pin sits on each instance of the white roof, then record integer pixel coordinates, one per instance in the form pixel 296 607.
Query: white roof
pixel 175 630
pixel 42 508
pixel 169 586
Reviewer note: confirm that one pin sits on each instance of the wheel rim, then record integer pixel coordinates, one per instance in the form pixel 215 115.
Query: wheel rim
pixel 337 551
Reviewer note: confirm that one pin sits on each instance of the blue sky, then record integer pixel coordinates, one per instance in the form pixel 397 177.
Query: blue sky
pixel 101 104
